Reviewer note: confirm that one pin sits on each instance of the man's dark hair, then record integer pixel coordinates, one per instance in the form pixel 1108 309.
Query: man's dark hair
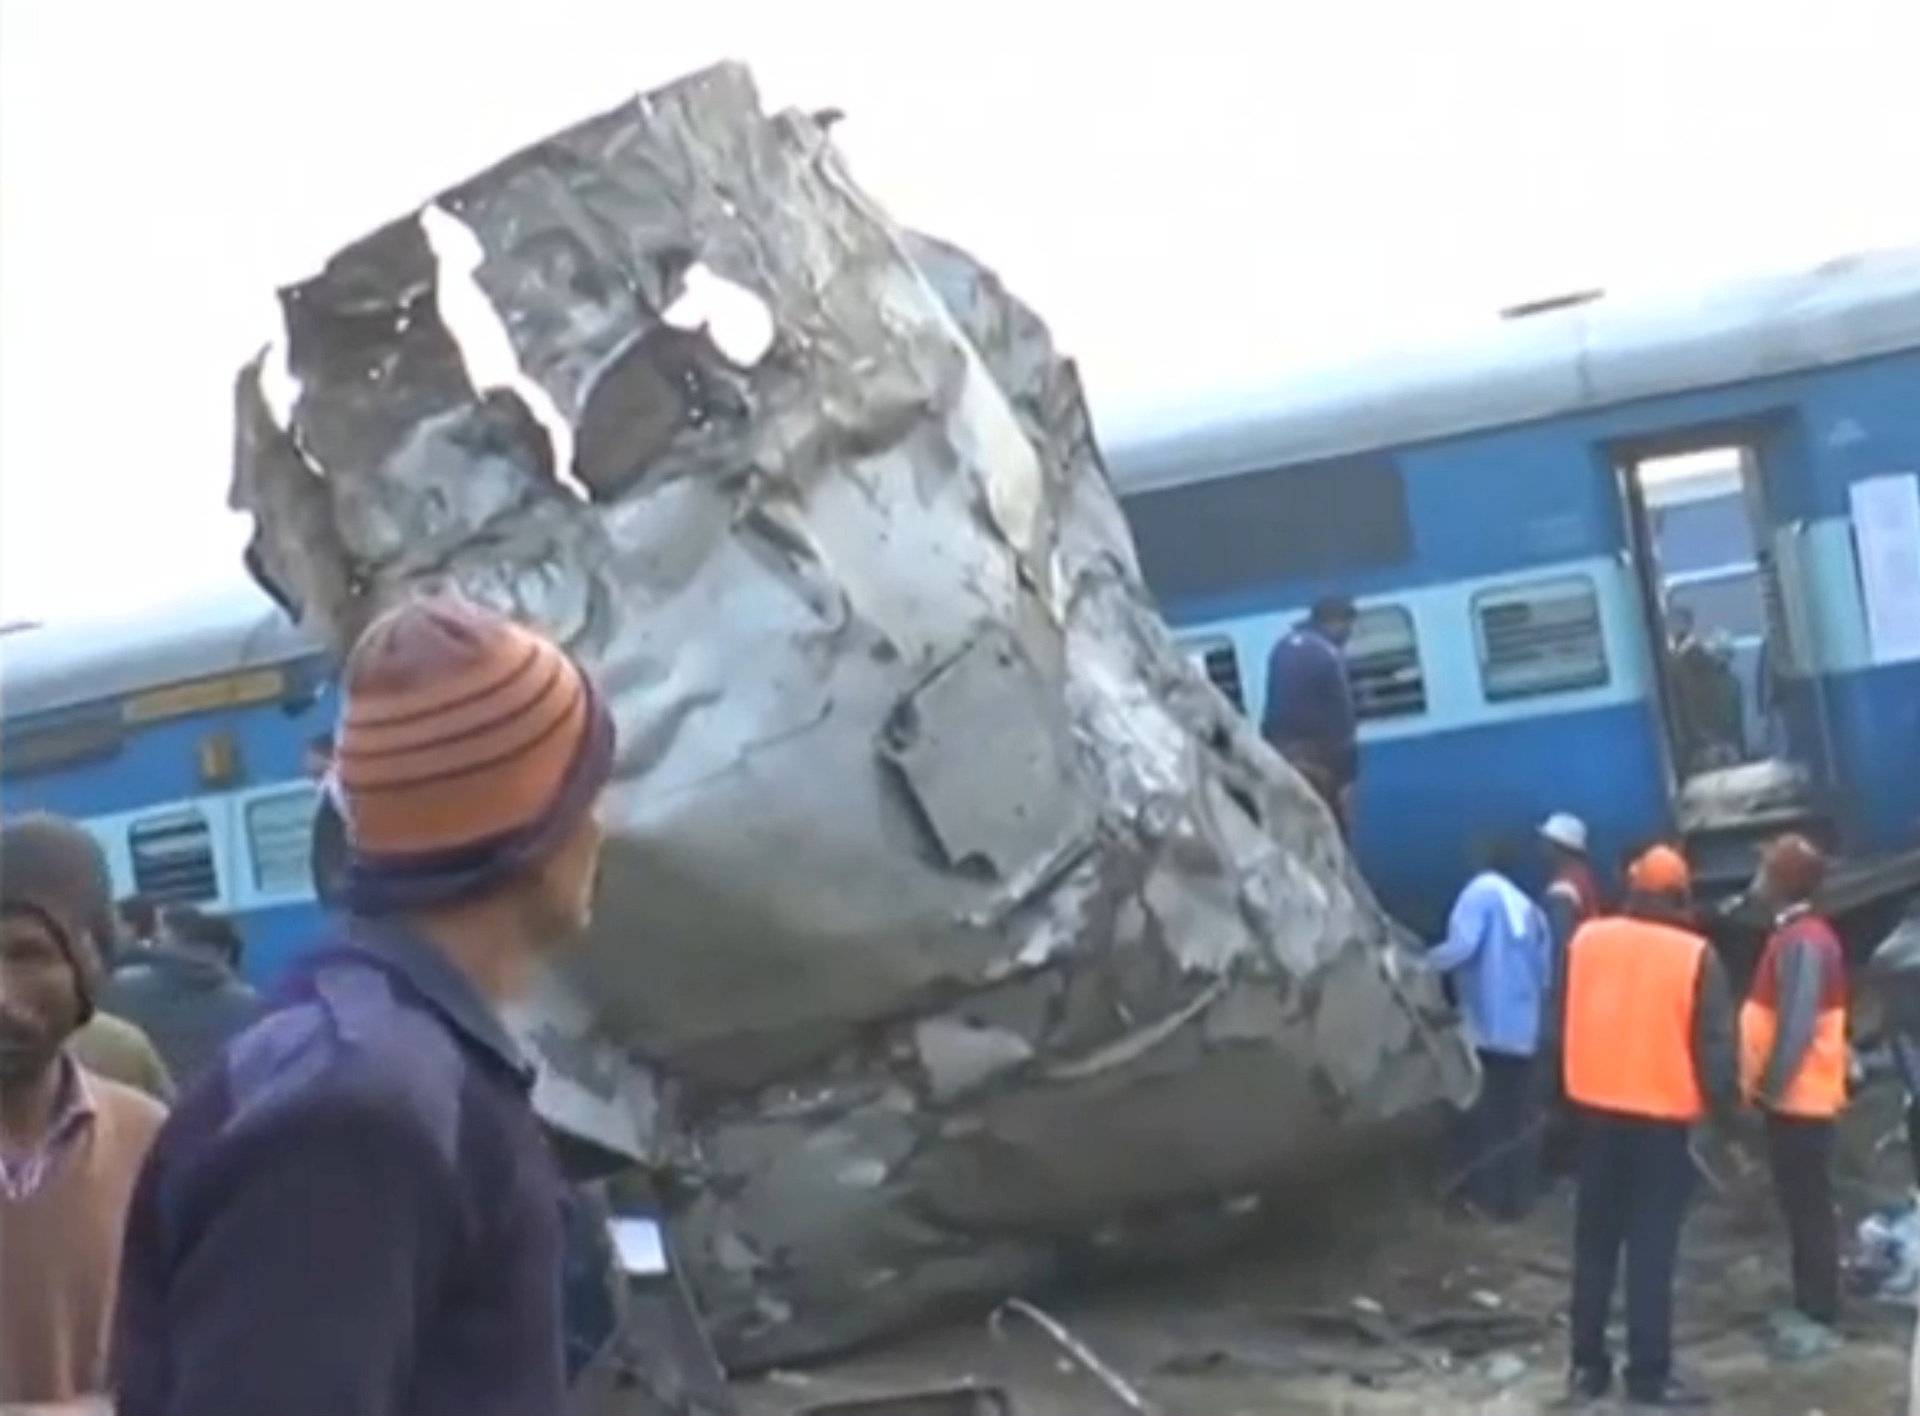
pixel 202 932
pixel 1498 852
pixel 140 916
pixel 1333 609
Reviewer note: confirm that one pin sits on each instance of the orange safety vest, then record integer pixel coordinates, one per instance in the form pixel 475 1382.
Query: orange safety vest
pixel 1631 985
pixel 1819 1087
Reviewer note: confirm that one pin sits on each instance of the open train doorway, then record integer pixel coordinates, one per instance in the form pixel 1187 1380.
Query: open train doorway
pixel 1702 545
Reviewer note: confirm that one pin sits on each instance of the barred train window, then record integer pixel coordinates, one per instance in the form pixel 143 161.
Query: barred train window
pixel 173 858
pixel 1542 637
pixel 1214 656
pixel 1383 663
pixel 280 840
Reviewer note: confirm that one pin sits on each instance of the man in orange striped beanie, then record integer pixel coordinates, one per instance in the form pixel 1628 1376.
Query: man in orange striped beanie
pixel 357 1211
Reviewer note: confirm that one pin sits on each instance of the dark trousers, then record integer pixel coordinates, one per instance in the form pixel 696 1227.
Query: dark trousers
pixel 1913 1135
pixel 1634 1177
pixel 1315 764
pixel 1800 1150
pixel 1499 1141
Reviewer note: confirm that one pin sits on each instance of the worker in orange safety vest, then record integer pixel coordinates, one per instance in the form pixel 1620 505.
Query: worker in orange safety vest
pixel 1793 1064
pixel 1648 1051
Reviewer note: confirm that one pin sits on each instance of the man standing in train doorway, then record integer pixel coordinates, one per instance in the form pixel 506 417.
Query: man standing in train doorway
pixel 1310 715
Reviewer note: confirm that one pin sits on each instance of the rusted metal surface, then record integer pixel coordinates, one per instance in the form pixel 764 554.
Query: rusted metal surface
pixel 950 918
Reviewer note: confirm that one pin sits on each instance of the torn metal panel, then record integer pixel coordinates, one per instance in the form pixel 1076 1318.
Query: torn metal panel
pixel 999 811
pixel 959 1057
pixel 948 915
pixel 277 486
pixel 365 343
pixel 585 1075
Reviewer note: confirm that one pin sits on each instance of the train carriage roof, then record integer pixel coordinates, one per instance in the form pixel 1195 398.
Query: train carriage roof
pixel 58 666
pixel 1537 366
pixel 1560 361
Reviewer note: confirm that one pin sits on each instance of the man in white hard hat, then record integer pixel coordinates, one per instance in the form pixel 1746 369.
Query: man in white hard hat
pixel 1573 894
pixel 1572 898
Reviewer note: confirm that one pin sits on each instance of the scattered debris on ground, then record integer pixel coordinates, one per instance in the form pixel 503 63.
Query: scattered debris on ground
pixel 1388 1305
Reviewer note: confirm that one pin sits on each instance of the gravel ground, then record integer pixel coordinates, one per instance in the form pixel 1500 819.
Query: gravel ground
pixel 1379 1301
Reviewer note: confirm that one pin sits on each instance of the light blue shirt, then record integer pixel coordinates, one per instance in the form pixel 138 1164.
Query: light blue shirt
pixel 1499 950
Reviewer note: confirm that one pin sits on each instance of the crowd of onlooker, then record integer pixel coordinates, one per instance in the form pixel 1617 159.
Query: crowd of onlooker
pixel 339 1200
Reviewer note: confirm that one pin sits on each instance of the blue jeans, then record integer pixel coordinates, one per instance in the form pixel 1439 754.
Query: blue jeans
pixel 1635 1177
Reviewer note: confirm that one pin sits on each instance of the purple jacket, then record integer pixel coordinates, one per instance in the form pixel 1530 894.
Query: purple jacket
pixel 354 1214
pixel 1310 700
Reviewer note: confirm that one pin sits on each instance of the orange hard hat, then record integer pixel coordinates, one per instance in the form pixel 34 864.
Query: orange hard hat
pixel 1660 870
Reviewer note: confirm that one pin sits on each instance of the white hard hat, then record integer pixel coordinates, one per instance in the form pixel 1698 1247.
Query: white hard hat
pixel 1566 831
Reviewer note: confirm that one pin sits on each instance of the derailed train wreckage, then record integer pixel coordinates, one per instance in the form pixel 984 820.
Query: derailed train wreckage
pixel 951 922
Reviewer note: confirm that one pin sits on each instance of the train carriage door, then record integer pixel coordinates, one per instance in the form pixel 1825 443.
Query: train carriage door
pixel 1727 643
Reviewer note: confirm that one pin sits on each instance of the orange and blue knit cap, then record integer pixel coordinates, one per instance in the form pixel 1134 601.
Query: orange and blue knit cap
pixel 468 747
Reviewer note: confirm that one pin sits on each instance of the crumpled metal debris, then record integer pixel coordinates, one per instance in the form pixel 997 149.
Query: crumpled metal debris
pixel 1118 1387
pixel 949 919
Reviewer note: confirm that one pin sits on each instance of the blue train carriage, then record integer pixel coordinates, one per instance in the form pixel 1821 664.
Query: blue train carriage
pixel 179 741
pixel 1654 565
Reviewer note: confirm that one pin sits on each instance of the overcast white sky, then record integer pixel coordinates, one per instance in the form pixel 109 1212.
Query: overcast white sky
pixel 1193 197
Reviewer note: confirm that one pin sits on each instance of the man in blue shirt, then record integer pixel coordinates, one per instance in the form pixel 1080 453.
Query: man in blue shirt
pixel 1498 951
pixel 1310 704
pixel 354 1212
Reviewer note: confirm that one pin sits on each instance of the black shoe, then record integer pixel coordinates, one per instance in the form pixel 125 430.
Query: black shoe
pixel 1673 1395
pixel 1584 1384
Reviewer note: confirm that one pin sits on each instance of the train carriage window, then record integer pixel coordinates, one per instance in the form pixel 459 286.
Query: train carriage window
pixel 88 735
pixel 1383 663
pixel 280 840
pixel 1251 532
pixel 173 858
pixel 1542 637
pixel 1214 656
